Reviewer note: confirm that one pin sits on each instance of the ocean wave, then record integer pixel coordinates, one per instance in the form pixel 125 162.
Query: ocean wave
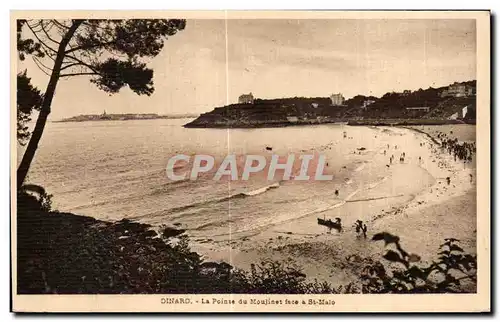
pixel 268 224
pixel 181 209
pixel 261 190
pixel 277 222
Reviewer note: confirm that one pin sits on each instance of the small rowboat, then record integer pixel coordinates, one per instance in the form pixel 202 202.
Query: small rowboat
pixel 331 224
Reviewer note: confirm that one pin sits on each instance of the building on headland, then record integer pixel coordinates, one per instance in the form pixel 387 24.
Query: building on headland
pixel 367 103
pixel 453 116
pixel 458 90
pixel 419 108
pixel 246 99
pixel 337 99
pixel 464 111
pixel 406 92
pixel 314 105
pixel 104 116
pixel 460 113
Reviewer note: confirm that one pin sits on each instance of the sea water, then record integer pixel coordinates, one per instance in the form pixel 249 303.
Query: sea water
pixel 117 169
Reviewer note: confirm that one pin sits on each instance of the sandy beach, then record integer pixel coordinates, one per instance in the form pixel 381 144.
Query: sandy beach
pixel 411 199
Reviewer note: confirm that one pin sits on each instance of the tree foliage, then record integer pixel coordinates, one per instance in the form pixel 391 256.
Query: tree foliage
pixel 29 99
pixel 61 253
pixel 446 275
pixel 110 52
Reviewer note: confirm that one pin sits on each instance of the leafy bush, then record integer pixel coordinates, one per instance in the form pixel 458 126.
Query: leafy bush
pixel 62 253
pixel 34 197
pixel 447 275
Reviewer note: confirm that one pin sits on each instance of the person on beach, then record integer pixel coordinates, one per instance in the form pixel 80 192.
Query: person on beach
pixel 448 180
pixel 360 227
pixel 336 192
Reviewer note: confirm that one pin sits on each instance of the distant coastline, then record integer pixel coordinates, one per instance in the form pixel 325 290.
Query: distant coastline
pixel 124 117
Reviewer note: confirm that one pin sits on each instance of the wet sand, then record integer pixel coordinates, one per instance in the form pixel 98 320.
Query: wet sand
pixel 410 199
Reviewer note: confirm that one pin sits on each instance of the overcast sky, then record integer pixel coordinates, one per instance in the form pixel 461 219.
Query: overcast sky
pixel 283 58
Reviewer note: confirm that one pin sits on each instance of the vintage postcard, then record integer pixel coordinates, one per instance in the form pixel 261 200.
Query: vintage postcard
pixel 250 161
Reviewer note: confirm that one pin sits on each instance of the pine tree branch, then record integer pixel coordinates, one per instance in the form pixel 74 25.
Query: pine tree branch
pixel 71 65
pixel 78 74
pixel 101 44
pixel 47 34
pixel 38 63
pixel 39 40
pixel 50 55
pixel 60 25
pixel 80 62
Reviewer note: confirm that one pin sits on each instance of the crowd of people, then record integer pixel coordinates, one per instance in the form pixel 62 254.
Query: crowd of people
pixel 460 150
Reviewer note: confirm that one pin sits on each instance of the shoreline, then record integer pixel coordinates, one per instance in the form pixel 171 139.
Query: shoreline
pixel 406 199
pixel 340 257
pixel 284 123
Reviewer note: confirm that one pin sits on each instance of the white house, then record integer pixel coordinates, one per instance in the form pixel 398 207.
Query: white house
pixel 337 99
pixel 458 90
pixel 367 103
pixel 464 111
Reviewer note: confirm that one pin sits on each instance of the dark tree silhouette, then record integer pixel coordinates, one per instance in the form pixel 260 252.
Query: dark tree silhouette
pixel 29 98
pixel 110 52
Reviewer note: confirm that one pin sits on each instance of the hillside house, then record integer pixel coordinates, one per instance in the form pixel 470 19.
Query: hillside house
pixel 337 99
pixel 420 108
pixel 459 114
pixel 464 111
pixel 246 99
pixel 458 90
pixel 367 103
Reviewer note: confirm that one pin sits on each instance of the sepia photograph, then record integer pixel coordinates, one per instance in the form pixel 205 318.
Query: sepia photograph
pixel 246 161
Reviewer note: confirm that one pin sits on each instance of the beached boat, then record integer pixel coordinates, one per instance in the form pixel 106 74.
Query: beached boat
pixel 331 224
